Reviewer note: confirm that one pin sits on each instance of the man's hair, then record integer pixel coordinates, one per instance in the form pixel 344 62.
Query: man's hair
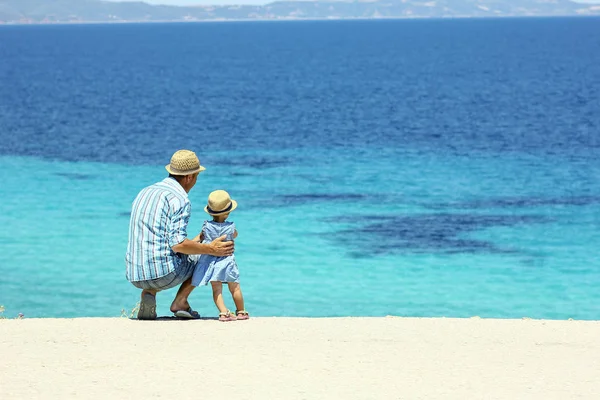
pixel 178 178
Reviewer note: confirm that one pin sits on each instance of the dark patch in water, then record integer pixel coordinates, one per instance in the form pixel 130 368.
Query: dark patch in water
pixel 426 233
pixel 517 202
pixel 88 216
pixel 124 214
pixel 275 248
pixel 241 174
pixel 298 199
pixel 533 261
pixel 74 175
pixel 317 178
pixel 252 162
pixel 265 164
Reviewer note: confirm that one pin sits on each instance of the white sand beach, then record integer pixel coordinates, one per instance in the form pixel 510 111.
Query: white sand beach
pixel 296 358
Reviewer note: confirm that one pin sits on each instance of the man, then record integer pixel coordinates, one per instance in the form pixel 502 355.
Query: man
pixel 159 254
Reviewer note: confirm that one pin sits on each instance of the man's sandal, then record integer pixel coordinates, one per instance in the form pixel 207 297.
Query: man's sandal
pixel 147 310
pixel 242 314
pixel 226 316
pixel 187 314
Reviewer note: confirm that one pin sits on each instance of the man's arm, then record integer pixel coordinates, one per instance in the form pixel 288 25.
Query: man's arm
pixel 217 247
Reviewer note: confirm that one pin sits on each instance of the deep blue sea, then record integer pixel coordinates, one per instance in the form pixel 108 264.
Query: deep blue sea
pixel 408 167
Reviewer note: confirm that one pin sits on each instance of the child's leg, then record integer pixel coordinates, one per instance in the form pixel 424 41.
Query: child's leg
pixel 217 288
pixel 236 293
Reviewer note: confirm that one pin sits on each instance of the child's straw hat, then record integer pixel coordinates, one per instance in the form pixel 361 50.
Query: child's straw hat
pixel 184 162
pixel 220 203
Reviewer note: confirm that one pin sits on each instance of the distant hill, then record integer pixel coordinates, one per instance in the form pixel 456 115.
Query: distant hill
pixel 48 11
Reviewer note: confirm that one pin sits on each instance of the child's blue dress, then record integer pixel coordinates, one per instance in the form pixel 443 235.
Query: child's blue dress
pixel 211 268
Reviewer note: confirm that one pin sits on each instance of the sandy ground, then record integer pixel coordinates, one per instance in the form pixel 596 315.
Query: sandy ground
pixel 295 358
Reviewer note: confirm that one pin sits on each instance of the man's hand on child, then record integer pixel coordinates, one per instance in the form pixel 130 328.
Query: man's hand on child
pixel 221 248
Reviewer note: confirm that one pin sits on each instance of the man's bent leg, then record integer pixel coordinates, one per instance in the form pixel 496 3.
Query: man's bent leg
pixel 181 298
pixel 185 270
pixel 147 310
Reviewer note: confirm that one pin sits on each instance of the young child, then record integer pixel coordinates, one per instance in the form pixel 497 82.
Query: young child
pixel 217 270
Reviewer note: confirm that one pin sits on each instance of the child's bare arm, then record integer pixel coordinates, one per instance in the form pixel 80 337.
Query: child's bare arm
pixel 235 233
pixel 199 238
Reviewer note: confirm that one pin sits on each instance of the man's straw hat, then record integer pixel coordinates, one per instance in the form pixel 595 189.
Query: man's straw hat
pixel 220 203
pixel 184 162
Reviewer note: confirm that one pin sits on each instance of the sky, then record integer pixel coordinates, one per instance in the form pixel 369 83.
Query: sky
pixel 228 2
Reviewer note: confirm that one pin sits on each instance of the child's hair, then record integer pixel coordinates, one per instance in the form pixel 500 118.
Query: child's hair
pixel 220 218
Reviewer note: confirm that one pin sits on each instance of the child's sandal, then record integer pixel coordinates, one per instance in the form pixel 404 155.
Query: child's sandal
pixel 242 314
pixel 226 316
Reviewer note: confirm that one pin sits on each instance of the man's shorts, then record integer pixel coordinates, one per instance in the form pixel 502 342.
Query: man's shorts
pixel 183 271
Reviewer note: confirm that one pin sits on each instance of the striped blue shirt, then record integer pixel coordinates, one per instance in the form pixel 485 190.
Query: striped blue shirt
pixel 159 219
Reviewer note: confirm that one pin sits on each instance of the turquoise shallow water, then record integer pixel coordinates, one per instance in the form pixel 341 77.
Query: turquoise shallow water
pixel 417 168
pixel 67 225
